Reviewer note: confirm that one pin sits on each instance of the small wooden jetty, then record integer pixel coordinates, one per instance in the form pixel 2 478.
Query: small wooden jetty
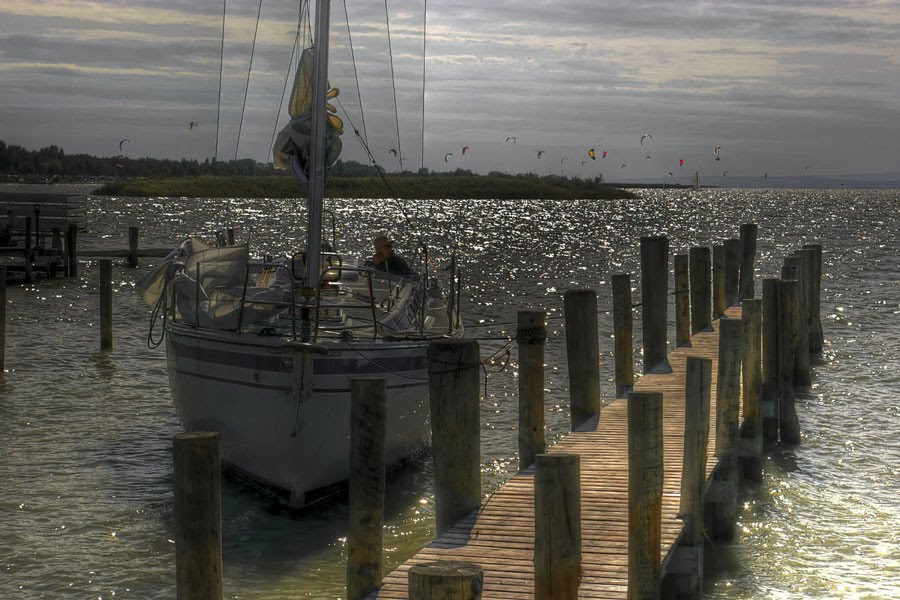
pixel 500 536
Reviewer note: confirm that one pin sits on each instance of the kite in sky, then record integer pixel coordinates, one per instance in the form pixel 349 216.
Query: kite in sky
pixel 512 137
pixel 393 151
pixel 464 150
pixel 680 162
pixel 448 155
pixel 716 151
pixel 193 124
pixel 122 144
pixel 603 154
pixel 540 152
pixel 646 135
pixel 591 154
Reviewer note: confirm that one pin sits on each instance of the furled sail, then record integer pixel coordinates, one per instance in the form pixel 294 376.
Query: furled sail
pixel 292 143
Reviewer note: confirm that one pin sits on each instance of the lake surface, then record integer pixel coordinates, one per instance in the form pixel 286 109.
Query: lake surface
pixel 86 485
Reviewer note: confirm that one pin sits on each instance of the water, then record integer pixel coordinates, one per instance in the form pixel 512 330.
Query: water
pixel 85 437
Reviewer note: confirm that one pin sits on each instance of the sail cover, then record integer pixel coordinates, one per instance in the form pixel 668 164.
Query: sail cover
pixel 292 143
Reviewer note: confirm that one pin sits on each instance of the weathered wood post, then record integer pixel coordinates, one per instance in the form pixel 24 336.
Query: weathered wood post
pixel 2 319
pixel 530 337
pixel 787 336
pixel 721 499
pixel 198 515
pixel 654 298
pixel 453 387
pixel 794 269
pixel 718 281
pixel 682 301
pixel 72 250
pixel 583 352
pixel 748 258
pixel 106 306
pixel 229 235
pixel 445 580
pixel 769 401
pixel 686 568
pixel 701 290
pixel 809 294
pixel 365 543
pixel 55 244
pixel 816 335
pixel 28 249
pixel 751 377
pixel 623 333
pixel 557 526
pixel 645 487
pixel 133 236
pixel 732 272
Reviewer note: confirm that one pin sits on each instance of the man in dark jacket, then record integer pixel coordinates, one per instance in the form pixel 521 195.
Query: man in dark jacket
pixel 385 259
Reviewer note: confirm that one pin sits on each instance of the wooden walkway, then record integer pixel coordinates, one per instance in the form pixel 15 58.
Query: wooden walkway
pixel 500 537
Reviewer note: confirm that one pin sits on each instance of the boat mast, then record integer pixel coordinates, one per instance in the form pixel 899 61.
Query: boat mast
pixel 317 150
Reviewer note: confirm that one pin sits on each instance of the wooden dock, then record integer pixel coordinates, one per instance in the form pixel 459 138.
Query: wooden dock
pixel 500 536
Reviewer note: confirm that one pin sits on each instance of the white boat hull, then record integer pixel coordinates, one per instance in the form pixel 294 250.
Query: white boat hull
pixel 289 436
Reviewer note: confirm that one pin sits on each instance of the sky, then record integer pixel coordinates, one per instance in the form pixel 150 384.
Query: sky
pixel 784 88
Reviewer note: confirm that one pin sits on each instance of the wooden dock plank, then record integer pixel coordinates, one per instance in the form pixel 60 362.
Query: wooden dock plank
pixel 500 536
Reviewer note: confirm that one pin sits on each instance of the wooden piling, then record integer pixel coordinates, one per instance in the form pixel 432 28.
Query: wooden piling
pixel 133 235
pixel 751 377
pixel 816 336
pixel 198 515
pixel 732 272
pixel 722 497
pixel 747 288
pixel 654 299
pixel 809 293
pixel 583 352
pixel 2 319
pixel 445 580
pixel 787 343
pixel 718 281
pixel 72 250
pixel 769 399
pixel 28 249
pixel 802 376
pixel 645 487
pixel 453 385
pixel 368 415
pixel 557 526
pixel 530 337
pixel 701 289
pixel 229 235
pixel 682 301
pixel 623 333
pixel 106 306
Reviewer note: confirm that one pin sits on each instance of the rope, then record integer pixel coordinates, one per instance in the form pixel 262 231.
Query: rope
pixel 247 86
pixel 355 75
pixel 221 69
pixel 424 29
pixel 387 20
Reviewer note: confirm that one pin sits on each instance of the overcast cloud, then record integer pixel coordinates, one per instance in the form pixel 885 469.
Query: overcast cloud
pixel 782 87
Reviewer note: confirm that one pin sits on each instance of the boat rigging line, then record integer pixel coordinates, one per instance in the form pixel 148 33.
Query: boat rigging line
pixel 387 20
pixel 301 37
pixel 247 86
pixel 424 29
pixel 221 68
pixel 355 76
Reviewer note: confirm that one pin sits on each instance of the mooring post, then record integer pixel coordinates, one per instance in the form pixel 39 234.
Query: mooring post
pixel 445 580
pixel 28 249
pixel 685 570
pixel 718 281
pixel 701 286
pixel 133 235
pixel 809 294
pixel 198 515
pixel 229 235
pixel 732 272
pixel 645 487
pixel 530 337
pixel 72 250
pixel 793 269
pixel 454 394
pixel 2 319
pixel 816 336
pixel 365 544
pixel 769 400
pixel 106 306
pixel 721 499
pixel 751 377
pixel 682 301
pixel 583 352
pixel 787 336
pixel 623 333
pixel 557 526
pixel 654 299
pixel 748 258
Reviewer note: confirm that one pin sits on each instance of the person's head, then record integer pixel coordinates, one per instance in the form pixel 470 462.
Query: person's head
pixel 383 246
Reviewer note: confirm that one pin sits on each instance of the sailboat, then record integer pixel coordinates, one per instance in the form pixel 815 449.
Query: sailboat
pixel 263 350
